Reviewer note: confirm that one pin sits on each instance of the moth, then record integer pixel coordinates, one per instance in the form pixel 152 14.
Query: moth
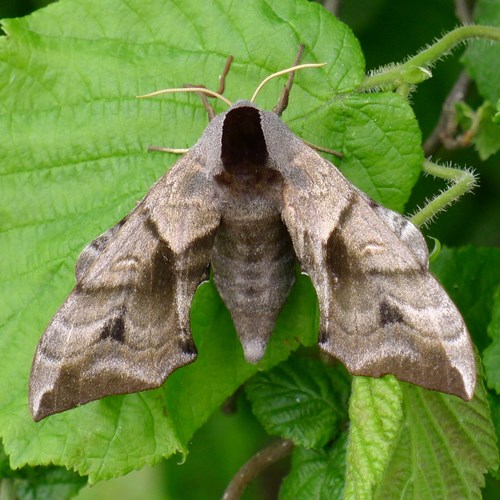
pixel 251 200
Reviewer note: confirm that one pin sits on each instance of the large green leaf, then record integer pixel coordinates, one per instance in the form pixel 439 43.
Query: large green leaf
pixel 73 142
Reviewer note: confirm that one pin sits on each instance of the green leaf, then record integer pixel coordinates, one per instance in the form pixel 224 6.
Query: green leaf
pixel 481 127
pixel 443 449
pixel 487 136
pixel 471 276
pixel 491 355
pixel 37 482
pixel 316 474
pixel 482 56
pixel 73 142
pixel 301 399
pixel 496 118
pixel 376 415
pixel 408 442
pixel 494 401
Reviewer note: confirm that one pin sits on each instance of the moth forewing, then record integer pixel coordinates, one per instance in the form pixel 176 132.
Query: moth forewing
pixel 381 310
pixel 125 326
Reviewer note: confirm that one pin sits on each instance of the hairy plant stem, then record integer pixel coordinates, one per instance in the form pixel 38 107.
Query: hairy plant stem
pixel 407 73
pixel 461 182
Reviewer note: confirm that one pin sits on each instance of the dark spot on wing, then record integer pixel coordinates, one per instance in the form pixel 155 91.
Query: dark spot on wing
pixel 187 345
pixel 96 244
pixel 122 221
pixel 322 337
pixel 373 203
pixel 101 242
pixel 389 314
pixel 114 329
pixel 151 226
pixel 338 260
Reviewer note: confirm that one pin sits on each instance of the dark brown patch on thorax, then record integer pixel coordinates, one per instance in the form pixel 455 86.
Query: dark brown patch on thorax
pixel 244 152
pixel 243 149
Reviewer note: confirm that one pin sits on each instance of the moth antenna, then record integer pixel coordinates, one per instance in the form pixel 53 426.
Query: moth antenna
pixel 323 149
pixel 208 107
pixel 222 84
pixel 162 149
pixel 187 89
pixel 284 72
pixel 285 94
pixel 225 71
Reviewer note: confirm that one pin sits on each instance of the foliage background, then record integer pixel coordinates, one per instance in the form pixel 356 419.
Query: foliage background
pixel 388 31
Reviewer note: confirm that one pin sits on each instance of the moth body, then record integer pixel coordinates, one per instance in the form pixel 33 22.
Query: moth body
pixel 252 256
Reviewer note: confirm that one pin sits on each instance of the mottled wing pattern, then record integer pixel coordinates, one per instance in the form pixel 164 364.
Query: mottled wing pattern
pixel 381 310
pixel 125 326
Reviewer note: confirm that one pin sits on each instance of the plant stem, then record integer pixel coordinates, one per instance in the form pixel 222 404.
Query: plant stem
pixel 263 459
pixel 461 181
pixel 446 127
pixel 405 73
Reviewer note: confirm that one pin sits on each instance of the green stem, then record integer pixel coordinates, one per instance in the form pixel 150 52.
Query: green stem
pixel 413 71
pixel 461 181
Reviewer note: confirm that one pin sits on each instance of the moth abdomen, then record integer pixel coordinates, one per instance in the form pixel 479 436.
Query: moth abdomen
pixel 254 270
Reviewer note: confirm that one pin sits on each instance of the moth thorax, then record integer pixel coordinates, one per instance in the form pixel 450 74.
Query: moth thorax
pixel 243 151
